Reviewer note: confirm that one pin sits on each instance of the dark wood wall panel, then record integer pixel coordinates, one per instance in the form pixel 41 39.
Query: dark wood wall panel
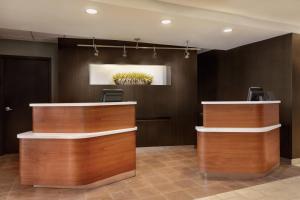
pixel 2 106
pixel 177 102
pixel 296 96
pixel 207 71
pixel 151 129
pixel 267 64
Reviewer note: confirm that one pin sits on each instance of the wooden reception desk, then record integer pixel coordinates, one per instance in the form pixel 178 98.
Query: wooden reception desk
pixel 239 138
pixel 79 145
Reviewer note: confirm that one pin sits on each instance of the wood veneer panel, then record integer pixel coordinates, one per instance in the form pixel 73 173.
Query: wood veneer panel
pixel 76 162
pixel 82 119
pixel 239 116
pixel 238 153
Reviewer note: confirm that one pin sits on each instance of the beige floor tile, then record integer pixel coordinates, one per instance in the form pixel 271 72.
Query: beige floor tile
pixel 186 183
pixel 167 187
pixel 157 179
pixel 124 195
pixel 140 183
pixel 116 187
pixel 179 195
pixel 99 198
pixel 198 192
pixel 210 198
pixel 228 195
pixel 146 192
pixel 157 197
pixel 69 194
pixel 98 193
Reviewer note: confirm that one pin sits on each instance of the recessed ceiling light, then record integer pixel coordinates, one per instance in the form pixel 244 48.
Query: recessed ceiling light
pixel 227 30
pixel 166 21
pixel 91 11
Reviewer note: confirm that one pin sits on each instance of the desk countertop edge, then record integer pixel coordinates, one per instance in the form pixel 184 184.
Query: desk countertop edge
pixel 238 102
pixel 83 104
pixel 32 135
pixel 236 130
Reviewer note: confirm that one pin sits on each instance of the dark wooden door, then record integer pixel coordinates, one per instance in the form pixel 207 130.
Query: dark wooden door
pixel 25 80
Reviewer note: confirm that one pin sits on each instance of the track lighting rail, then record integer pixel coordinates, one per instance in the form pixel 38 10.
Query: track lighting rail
pixel 139 47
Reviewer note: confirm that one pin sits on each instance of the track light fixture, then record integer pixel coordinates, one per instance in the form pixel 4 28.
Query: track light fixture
pixel 124 52
pixel 186 49
pixel 96 53
pixel 154 53
pixel 187 53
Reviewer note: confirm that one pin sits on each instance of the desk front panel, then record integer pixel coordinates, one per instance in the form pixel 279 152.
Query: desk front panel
pixel 238 153
pixel 83 119
pixel 240 115
pixel 75 162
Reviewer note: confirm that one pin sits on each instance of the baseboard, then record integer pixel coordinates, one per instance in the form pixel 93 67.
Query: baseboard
pixel 240 176
pixel 285 161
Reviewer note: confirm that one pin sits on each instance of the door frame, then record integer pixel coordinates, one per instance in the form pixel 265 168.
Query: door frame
pixel 2 64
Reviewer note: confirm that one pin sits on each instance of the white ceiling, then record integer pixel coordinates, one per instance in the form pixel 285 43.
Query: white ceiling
pixel 284 11
pixel 199 21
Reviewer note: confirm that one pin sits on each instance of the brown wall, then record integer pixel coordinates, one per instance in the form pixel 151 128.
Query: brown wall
pixel 166 115
pixel 296 95
pixel 267 64
pixel 207 78
pixel 33 49
pixel 2 105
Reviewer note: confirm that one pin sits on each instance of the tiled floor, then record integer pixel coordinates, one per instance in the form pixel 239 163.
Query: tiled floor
pixel 162 173
pixel 286 189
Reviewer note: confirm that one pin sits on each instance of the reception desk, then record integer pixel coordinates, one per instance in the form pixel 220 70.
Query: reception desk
pixel 239 138
pixel 79 145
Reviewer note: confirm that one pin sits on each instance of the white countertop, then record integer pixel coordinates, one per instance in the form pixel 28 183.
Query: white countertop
pixel 31 135
pixel 82 104
pixel 237 130
pixel 240 102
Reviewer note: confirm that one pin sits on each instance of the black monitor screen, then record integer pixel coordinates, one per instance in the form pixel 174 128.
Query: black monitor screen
pixel 112 95
pixel 256 94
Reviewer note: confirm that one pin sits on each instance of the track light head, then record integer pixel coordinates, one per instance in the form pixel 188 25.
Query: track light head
pixel 137 40
pixel 124 52
pixel 96 53
pixel 154 53
pixel 187 53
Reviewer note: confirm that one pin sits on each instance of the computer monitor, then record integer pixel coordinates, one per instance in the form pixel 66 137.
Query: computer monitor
pixel 256 94
pixel 112 95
